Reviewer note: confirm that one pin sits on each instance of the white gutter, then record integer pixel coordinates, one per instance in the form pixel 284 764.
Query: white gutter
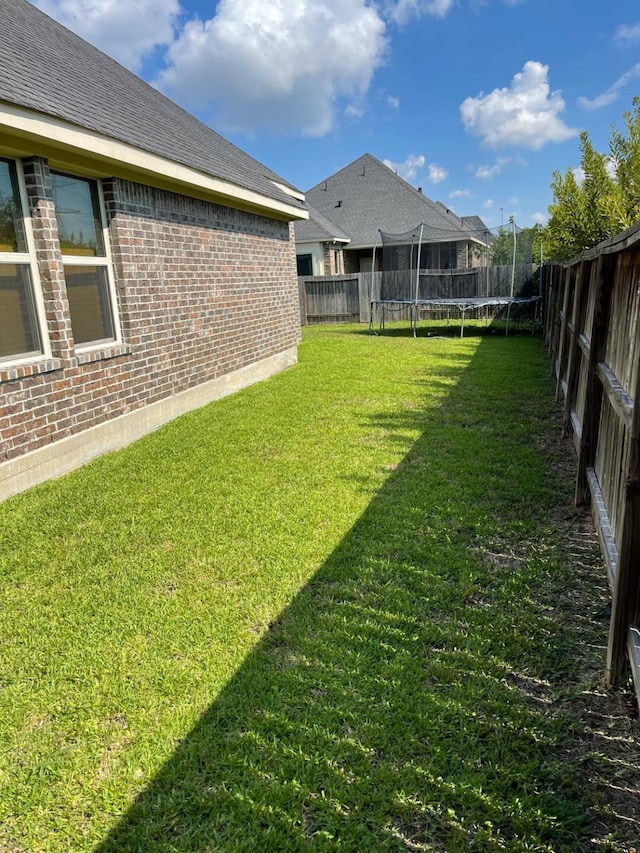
pixel 56 136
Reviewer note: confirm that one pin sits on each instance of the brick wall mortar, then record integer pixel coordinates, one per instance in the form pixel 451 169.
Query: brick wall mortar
pixel 202 290
pixel 50 268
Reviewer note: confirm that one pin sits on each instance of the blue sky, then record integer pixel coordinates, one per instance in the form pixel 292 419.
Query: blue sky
pixel 475 101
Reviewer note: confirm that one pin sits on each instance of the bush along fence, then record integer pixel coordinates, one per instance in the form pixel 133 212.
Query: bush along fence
pixel 347 298
pixel 592 329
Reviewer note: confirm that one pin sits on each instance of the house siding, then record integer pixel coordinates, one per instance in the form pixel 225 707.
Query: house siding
pixel 204 291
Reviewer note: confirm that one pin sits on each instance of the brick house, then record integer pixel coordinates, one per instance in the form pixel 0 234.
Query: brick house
pixel 347 210
pixel 147 265
pixel 319 245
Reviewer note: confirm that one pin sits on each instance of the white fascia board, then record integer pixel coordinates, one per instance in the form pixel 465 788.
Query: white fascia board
pixel 56 133
pixel 289 191
pixel 344 240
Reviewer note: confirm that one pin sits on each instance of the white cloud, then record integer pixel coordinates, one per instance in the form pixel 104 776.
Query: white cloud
pixel 437 173
pixel 283 64
pixel 612 92
pixel 514 201
pixel 460 194
pixel 413 164
pixel 578 174
pixel 526 113
pixel 628 33
pixel 128 31
pixel 409 169
pixel 487 172
pixel 393 102
pixel 488 204
pixel 540 218
pixel 401 11
pixel 354 111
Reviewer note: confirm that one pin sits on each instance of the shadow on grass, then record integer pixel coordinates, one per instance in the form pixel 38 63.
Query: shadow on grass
pixel 401 701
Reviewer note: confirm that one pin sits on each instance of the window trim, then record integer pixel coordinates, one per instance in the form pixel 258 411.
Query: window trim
pixel 30 259
pixel 105 261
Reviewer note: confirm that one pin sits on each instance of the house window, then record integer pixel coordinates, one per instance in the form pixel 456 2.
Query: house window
pixel 87 268
pixel 426 257
pixel 305 264
pixel 448 256
pixel 20 335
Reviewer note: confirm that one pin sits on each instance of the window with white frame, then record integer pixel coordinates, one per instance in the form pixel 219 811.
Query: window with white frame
pixel 87 268
pixel 20 333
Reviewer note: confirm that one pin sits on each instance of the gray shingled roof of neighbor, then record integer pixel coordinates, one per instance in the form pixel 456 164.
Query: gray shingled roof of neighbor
pixel 48 69
pixel 318 228
pixel 478 227
pixel 366 196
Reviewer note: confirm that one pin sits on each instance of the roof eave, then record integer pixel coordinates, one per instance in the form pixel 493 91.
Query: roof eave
pixel 68 144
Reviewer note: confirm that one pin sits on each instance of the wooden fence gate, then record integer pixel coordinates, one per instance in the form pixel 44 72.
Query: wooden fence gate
pixel 592 328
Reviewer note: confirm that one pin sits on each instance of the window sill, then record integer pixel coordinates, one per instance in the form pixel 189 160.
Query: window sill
pixel 10 373
pixel 34 368
pixel 102 354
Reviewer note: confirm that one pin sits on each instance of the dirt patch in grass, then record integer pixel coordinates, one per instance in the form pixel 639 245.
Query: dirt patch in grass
pixel 606 721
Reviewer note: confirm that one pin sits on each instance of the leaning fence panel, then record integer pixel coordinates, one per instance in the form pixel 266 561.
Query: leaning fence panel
pixel 592 332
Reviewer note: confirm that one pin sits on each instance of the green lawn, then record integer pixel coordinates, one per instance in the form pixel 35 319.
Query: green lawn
pixel 332 612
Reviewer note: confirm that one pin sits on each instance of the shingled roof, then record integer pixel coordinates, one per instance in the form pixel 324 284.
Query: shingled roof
pixel 48 69
pixel 317 228
pixel 366 196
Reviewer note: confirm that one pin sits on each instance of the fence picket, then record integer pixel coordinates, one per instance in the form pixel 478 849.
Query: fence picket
pixel 592 335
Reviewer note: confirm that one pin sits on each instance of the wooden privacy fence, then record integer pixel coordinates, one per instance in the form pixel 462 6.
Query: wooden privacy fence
pixel 592 328
pixel 334 299
pixel 347 298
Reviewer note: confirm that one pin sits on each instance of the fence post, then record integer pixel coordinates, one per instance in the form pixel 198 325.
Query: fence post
pixel 567 281
pixel 574 331
pixel 625 604
pixel 554 320
pixel 555 325
pixel 593 390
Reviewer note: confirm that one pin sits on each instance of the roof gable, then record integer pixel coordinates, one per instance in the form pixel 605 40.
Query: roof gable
pixel 48 69
pixel 366 196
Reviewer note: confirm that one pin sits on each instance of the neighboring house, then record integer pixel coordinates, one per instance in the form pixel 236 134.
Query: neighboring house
pixel 147 265
pixel 319 246
pixel 366 196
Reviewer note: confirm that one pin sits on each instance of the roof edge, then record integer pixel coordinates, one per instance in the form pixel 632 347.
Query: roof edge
pixel 56 134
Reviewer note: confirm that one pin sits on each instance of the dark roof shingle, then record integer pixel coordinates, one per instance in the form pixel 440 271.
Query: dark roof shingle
pixel 318 227
pixel 47 68
pixel 366 196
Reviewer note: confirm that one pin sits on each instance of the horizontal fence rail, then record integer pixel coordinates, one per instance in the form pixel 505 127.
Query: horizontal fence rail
pixel 592 330
pixel 347 298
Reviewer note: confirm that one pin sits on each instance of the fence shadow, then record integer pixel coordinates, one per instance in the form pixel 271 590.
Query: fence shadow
pixel 403 699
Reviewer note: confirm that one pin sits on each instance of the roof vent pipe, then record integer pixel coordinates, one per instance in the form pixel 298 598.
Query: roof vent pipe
pixel 420 190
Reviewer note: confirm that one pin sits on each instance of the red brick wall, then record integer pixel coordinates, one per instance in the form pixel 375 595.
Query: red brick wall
pixel 202 289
